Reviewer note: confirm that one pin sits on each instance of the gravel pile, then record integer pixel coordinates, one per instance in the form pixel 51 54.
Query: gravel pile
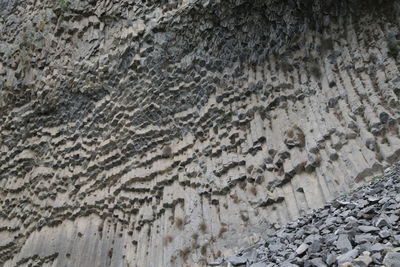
pixel 358 229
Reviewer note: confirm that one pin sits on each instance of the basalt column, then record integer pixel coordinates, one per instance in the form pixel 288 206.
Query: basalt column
pixel 172 133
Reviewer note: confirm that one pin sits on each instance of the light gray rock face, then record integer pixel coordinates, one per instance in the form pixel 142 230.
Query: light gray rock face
pixel 392 259
pixel 348 256
pixel 173 133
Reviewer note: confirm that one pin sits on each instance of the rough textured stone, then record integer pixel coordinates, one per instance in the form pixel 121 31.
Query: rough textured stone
pixel 343 243
pixel 302 249
pixel 172 133
pixel 392 259
pixel 316 239
pixel 348 256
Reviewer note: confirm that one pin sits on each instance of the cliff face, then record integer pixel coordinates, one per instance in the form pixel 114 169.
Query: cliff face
pixel 356 229
pixel 171 133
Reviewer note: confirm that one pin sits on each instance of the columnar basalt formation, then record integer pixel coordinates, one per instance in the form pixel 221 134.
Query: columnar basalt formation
pixel 357 229
pixel 172 133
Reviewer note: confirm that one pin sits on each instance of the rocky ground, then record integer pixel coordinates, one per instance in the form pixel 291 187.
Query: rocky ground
pixel 358 229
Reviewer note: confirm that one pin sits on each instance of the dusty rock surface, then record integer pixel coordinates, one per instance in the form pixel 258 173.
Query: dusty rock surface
pixel 356 230
pixel 174 133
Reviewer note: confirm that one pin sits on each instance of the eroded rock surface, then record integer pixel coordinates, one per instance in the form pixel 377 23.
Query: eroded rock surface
pixel 171 133
pixel 356 230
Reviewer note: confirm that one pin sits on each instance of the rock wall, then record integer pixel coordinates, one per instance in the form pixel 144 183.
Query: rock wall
pixel 356 229
pixel 172 133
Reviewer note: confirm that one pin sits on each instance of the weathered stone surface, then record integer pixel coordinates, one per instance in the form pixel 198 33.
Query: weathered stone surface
pixel 343 243
pixel 302 249
pixel 339 244
pixel 348 256
pixel 392 259
pixel 172 133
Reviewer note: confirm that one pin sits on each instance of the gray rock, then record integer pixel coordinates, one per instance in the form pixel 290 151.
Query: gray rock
pixel 302 249
pixel 394 218
pixel 363 260
pixel 348 256
pixel 368 229
pixel 382 221
pixel 373 199
pixel 377 257
pixel 365 238
pixel 315 246
pixel 259 264
pixel 318 262
pixel 235 260
pixel 216 263
pixel 377 247
pixel 275 247
pixel 384 233
pixel 331 259
pixel 342 226
pixel 343 243
pixel 392 259
pixel 397 238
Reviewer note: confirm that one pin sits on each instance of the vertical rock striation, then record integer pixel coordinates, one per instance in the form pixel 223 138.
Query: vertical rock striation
pixel 171 133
